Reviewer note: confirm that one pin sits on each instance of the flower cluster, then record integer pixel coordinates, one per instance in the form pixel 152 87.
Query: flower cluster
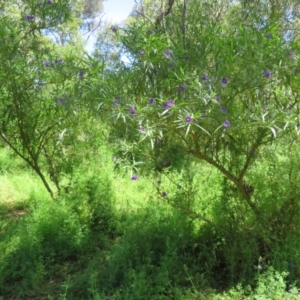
pixel 168 104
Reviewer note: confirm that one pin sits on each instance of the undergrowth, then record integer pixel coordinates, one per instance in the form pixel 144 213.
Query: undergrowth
pixel 109 237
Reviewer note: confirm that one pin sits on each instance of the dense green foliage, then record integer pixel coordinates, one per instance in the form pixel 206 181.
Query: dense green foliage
pixel 172 176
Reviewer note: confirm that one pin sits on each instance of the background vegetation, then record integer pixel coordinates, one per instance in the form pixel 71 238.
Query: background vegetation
pixel 162 166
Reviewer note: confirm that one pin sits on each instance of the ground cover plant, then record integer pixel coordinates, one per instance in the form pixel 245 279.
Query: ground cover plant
pixel 171 173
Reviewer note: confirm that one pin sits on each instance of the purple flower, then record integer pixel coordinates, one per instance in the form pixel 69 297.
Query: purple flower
pixel 226 123
pixel 224 109
pixel 169 104
pixel 264 108
pixel 142 52
pixel 164 163
pixel 49 2
pixel 46 63
pixel 188 119
pixel 164 194
pixel 30 18
pixel 195 120
pixel 134 177
pixel 80 74
pixel 149 32
pixel 181 89
pixel 142 129
pixel 224 80
pixel 113 28
pixel 167 54
pixel 204 77
pixel 132 111
pixel 151 100
pixel 267 74
pixel 61 101
pixel 269 35
pixel 116 102
pixel 58 61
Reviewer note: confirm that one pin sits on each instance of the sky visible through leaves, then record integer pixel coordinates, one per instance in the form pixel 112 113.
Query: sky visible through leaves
pixel 115 11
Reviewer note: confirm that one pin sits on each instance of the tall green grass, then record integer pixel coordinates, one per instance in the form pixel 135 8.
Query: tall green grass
pixel 111 237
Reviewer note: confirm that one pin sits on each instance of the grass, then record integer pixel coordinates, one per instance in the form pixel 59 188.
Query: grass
pixel 113 238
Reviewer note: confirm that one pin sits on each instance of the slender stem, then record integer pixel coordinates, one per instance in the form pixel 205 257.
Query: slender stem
pixel 33 165
pixel 238 183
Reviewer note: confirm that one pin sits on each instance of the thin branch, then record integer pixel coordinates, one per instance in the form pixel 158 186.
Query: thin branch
pixel 165 13
pixel 91 32
pixel 144 16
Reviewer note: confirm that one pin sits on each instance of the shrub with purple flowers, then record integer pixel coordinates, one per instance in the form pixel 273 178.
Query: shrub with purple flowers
pixel 202 102
pixel 193 122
